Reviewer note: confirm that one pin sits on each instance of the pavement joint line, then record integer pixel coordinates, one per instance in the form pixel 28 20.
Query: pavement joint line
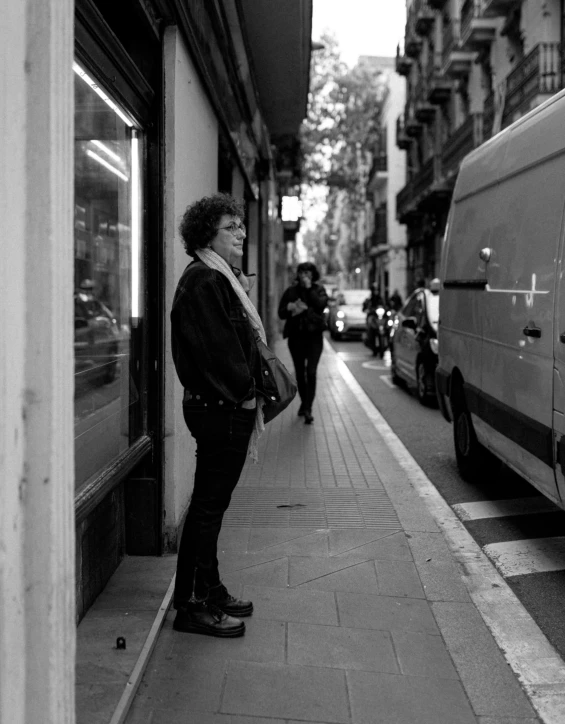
pixel 537 665
pixel 126 700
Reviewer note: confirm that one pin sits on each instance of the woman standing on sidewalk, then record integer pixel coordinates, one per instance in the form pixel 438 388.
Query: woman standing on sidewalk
pixel 302 305
pixel 214 330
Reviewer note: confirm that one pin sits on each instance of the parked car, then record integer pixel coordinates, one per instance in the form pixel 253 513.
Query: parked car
pixel 414 343
pixel 501 371
pixel 346 317
pixel 97 341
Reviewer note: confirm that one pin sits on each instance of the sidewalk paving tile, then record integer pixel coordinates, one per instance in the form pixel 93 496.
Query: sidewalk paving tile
pixel 333 576
pixel 422 654
pixel 292 604
pixel 392 699
pixel 385 613
pixel 399 578
pixel 300 692
pixel 195 686
pixel 264 642
pixel 341 648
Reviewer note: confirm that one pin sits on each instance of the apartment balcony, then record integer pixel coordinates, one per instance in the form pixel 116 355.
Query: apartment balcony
pixel 424 112
pixel 463 140
pixel 456 62
pixel 413 46
pixel 403 140
pixel 418 194
pixel 424 17
pixel 439 89
pixel 497 8
pixel 476 30
pixel 413 128
pixel 537 77
pixel 403 63
pixel 378 175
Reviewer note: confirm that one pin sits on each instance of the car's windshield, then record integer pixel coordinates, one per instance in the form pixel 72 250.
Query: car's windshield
pixel 353 297
pixel 432 303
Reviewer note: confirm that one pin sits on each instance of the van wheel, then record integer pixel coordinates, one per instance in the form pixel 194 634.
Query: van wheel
pixel 472 457
pixel 422 385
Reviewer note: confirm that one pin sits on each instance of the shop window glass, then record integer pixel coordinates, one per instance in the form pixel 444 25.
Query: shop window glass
pixel 108 277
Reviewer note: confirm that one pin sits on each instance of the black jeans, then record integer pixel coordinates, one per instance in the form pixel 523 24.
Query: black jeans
pixel 306 352
pixel 221 438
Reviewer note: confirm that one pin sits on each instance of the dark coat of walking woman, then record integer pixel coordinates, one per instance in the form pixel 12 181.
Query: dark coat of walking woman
pixel 214 330
pixel 302 306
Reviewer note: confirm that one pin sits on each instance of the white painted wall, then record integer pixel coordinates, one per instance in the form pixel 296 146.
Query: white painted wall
pixel 37 607
pixel 191 153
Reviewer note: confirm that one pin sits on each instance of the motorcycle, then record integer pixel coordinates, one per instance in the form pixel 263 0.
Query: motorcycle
pixel 379 325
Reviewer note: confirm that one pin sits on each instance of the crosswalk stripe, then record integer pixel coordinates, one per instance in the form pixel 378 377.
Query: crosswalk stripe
pixel 522 557
pixel 501 508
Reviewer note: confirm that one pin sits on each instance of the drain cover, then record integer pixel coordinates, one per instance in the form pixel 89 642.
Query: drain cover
pixel 336 508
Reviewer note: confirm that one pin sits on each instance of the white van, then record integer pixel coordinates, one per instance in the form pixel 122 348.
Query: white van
pixel 501 369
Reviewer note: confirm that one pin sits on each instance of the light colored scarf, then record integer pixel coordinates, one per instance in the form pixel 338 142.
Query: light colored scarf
pixel 215 261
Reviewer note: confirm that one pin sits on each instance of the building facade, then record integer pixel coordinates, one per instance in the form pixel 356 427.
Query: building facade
pixel 385 240
pixel 472 67
pixel 116 116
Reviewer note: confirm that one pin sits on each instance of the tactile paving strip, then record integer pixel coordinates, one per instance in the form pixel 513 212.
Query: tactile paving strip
pixel 292 508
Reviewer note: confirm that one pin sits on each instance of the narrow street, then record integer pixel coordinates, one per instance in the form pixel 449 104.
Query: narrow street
pixel 513 533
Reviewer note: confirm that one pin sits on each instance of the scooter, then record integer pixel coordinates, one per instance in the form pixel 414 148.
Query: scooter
pixel 379 324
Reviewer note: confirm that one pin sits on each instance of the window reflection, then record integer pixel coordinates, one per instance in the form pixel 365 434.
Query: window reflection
pixel 107 209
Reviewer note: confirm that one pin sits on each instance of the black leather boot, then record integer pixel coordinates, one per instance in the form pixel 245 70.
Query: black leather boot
pixel 219 596
pixel 205 618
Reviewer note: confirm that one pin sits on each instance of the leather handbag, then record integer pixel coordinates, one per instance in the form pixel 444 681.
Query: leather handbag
pixel 285 383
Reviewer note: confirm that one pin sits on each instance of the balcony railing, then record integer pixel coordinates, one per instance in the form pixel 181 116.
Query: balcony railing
pixel 488 116
pixel 424 179
pixel 463 140
pixel 469 10
pixel 424 17
pixel 449 36
pixel 494 8
pixel 403 63
pixel 539 73
pixel 476 30
pixel 403 141
pixel 403 199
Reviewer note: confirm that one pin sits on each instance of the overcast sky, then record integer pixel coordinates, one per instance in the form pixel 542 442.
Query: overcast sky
pixel 362 27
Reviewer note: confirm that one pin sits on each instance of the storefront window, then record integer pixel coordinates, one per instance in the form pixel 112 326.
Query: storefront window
pixel 108 277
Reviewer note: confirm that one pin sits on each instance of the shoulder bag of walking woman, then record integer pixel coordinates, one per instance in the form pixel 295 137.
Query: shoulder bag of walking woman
pixel 284 381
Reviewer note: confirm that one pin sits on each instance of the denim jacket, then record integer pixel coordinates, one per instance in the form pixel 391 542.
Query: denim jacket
pixel 213 343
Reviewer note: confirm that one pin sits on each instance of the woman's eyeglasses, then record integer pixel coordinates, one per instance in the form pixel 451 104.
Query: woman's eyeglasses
pixel 233 228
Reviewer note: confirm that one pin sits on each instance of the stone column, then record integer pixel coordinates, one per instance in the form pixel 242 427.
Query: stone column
pixel 37 626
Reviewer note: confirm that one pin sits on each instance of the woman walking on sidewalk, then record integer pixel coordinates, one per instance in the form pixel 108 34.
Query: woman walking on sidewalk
pixel 302 305
pixel 214 330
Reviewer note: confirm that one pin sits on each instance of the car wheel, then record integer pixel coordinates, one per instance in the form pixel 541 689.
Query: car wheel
pixel 423 386
pixel 472 458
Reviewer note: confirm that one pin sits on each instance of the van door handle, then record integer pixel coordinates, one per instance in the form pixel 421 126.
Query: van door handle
pixel 532 331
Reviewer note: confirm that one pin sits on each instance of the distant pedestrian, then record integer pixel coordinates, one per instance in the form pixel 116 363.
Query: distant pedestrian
pixel 214 331
pixel 302 306
pixel 395 300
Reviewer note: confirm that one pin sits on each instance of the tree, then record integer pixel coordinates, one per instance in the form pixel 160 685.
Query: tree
pixel 341 132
